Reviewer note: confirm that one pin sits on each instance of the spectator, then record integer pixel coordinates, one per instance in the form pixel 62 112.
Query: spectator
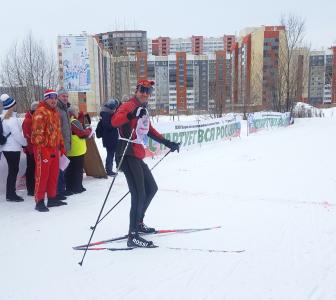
pixel 13 146
pixel 62 108
pixel 48 144
pixel 109 133
pixel 27 129
pixel 74 172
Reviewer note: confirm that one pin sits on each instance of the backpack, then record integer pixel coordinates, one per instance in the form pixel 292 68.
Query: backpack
pixel 3 138
pixel 99 129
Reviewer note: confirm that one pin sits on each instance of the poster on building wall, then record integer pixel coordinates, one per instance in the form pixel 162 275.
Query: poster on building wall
pixel 76 64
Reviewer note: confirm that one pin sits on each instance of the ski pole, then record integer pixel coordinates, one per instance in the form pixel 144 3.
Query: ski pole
pixel 108 193
pixel 123 197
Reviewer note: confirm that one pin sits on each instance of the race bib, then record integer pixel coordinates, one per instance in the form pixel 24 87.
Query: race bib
pixel 142 129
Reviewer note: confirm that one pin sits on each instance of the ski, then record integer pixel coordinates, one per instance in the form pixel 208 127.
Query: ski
pixel 205 250
pixel 169 248
pixel 161 231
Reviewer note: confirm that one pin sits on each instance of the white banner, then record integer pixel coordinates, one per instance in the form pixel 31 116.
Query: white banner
pixel 194 132
pixel 76 64
pixel 264 120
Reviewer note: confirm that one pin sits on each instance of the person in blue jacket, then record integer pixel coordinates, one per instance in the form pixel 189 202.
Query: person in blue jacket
pixel 109 133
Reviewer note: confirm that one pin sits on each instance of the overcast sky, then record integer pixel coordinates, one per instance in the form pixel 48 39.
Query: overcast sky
pixel 176 18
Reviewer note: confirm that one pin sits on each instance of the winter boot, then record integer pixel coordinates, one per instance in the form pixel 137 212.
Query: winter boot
pixel 134 240
pixel 40 206
pixel 52 202
pixel 68 193
pixel 60 197
pixel 111 173
pixel 142 228
pixel 14 198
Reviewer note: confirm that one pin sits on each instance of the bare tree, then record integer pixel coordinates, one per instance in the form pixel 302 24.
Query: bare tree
pixel 256 81
pixel 294 39
pixel 27 70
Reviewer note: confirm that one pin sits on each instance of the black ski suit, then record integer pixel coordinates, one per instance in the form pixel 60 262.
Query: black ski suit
pixel 139 178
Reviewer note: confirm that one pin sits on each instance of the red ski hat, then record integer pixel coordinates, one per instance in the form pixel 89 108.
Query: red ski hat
pixel 145 83
pixel 49 93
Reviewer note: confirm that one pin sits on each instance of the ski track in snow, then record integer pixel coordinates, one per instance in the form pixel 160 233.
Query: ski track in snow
pixel 273 193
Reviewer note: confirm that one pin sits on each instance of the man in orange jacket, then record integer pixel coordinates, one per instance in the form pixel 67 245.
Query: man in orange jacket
pixel 48 144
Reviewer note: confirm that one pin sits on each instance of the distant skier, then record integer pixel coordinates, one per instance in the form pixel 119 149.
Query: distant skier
pixel 133 115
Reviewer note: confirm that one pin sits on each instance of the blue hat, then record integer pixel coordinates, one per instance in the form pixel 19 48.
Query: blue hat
pixel 7 102
pixel 112 104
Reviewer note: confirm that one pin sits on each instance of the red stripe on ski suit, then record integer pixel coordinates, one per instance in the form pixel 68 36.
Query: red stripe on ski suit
pixel 120 120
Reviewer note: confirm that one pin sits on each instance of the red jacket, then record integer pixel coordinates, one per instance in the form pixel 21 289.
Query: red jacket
pixel 46 128
pixel 78 129
pixel 27 130
pixel 120 120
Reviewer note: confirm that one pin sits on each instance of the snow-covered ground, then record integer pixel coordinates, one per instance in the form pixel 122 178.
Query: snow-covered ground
pixel 273 193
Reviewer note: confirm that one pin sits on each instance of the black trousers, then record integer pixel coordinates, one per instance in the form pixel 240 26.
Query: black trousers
pixel 74 174
pixel 142 186
pixel 30 174
pixel 13 161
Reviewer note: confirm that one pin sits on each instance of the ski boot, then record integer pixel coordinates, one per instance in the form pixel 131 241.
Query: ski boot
pixel 142 228
pixel 134 240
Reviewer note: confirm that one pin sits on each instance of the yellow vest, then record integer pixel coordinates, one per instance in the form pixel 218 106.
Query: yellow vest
pixel 78 145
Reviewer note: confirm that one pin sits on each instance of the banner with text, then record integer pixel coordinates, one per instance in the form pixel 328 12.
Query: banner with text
pixel 194 133
pixel 264 120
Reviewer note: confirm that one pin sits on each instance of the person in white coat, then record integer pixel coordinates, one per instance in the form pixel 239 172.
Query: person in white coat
pixel 13 146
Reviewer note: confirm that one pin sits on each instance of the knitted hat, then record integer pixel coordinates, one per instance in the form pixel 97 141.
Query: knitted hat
pixel 112 104
pixel 73 110
pixel 48 94
pixel 34 105
pixel 62 91
pixel 145 83
pixel 7 102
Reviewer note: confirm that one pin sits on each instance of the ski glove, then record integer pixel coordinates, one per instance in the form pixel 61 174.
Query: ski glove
pixel 173 146
pixel 139 112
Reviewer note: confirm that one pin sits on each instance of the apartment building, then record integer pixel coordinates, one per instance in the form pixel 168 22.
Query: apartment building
pixel 196 45
pixel 322 88
pixel 255 67
pixel 122 43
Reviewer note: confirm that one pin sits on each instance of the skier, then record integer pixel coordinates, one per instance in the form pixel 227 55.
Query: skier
pixel 133 116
